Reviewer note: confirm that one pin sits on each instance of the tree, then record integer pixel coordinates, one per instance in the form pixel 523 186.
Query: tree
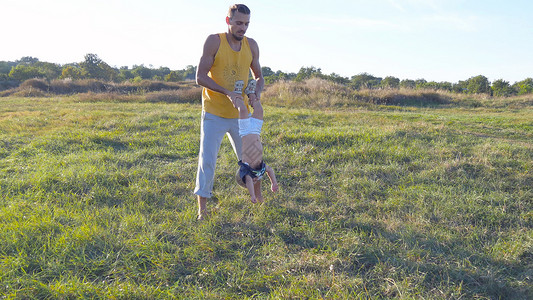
pixel 124 74
pixel 430 85
pixel 5 67
pixel 190 72
pixel 174 76
pixel 267 71
pixel 142 71
pixel 50 70
pixel 336 78
pixel 501 88
pixel 27 60
pixel 460 87
pixel 307 72
pixel 433 85
pixel 478 85
pixel 161 72
pixel 24 72
pixel 390 82
pixel 365 81
pixel 420 83
pixel 90 67
pixel 94 67
pixel 279 75
pixel 408 84
pixel 524 87
pixel 71 72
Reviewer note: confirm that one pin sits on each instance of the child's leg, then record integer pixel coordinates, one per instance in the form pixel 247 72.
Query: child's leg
pixel 250 186
pixel 257 187
pixel 258 110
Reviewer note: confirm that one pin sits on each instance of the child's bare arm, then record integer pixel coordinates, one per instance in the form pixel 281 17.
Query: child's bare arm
pixel 272 176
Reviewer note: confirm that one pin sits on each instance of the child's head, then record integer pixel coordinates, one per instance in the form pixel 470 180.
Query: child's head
pixel 239 179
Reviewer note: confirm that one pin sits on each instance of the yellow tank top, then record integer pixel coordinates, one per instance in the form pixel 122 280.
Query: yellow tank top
pixel 228 67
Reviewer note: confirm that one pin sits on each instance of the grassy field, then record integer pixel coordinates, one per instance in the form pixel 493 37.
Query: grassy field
pixel 402 202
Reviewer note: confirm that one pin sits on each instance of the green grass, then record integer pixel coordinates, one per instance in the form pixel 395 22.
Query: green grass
pixel 377 202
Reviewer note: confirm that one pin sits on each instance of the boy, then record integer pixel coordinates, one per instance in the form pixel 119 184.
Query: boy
pixel 252 167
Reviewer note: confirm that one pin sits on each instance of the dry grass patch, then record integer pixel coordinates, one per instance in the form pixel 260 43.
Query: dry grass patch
pixel 187 95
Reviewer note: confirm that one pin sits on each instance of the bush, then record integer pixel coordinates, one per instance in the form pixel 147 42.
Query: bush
pixel 29 92
pixel 67 86
pixel 39 84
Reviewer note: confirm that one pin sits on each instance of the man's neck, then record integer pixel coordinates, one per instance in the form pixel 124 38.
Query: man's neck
pixel 233 43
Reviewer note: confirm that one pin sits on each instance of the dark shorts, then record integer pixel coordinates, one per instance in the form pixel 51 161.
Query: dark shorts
pixel 247 170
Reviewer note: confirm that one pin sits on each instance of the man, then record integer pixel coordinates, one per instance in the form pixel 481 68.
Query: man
pixel 226 59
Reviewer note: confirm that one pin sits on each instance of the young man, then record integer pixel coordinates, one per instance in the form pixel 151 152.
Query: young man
pixel 227 58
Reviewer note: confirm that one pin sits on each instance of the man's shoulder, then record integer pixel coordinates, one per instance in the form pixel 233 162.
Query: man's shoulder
pixel 253 45
pixel 212 43
pixel 215 37
pixel 251 40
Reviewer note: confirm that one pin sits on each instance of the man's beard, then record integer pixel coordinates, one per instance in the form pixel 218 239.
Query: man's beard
pixel 238 38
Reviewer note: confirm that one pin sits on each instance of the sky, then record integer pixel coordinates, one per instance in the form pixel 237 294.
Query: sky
pixel 436 40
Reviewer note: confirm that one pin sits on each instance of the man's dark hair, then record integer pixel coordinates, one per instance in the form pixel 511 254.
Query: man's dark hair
pixel 238 7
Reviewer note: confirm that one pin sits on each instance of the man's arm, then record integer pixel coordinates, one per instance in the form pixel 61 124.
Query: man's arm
pixel 255 66
pixel 206 62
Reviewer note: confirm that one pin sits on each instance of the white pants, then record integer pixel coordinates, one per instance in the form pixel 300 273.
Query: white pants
pixel 250 126
pixel 213 129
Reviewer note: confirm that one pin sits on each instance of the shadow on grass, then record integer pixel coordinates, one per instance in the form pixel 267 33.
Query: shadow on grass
pixel 478 276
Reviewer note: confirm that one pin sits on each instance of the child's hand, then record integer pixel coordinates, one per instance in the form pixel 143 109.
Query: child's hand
pixel 274 187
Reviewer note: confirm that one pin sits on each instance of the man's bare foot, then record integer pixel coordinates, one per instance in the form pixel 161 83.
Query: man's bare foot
pixel 201 207
pixel 274 187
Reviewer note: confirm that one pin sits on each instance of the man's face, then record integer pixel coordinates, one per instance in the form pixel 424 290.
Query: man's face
pixel 238 25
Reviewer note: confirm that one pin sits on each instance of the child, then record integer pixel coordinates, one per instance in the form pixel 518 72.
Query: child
pixel 252 167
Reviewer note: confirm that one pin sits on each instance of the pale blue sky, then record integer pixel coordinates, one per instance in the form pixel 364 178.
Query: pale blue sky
pixel 440 40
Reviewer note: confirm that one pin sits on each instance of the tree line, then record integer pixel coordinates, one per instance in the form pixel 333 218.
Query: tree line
pixel 473 85
pixel 92 67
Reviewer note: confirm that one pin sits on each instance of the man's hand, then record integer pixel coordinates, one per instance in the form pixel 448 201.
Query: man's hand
pixel 234 98
pixel 253 98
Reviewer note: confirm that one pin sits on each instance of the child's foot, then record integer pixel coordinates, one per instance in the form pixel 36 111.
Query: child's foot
pixel 274 187
pixel 253 199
